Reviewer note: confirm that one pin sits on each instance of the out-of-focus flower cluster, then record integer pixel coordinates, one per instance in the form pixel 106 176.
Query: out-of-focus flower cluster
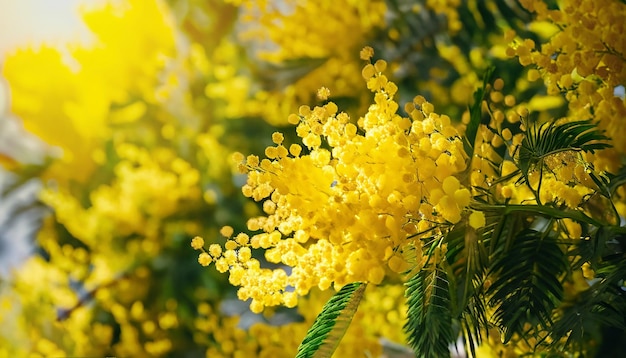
pixel 381 315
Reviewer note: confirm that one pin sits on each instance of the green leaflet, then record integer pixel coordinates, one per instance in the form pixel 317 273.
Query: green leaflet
pixel 600 305
pixel 468 257
pixel 476 115
pixel 429 321
pixel 331 324
pixel 527 287
pixel 541 141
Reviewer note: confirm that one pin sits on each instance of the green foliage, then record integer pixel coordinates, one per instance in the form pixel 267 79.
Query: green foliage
pixel 417 52
pixel 331 324
pixel 541 141
pixel 468 258
pixel 511 273
pixel 429 324
pixel 527 287
pixel 581 320
pixel 476 115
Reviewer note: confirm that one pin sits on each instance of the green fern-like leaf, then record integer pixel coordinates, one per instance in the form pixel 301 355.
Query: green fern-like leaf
pixel 602 305
pixel 594 248
pixel 474 322
pixel 467 254
pixel 582 321
pixel 550 138
pixel 476 115
pixel 429 322
pixel 527 287
pixel 618 179
pixel 331 324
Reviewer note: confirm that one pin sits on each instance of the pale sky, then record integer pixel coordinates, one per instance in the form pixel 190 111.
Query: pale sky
pixel 34 21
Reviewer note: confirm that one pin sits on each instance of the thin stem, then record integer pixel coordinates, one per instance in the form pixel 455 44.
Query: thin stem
pixel 545 210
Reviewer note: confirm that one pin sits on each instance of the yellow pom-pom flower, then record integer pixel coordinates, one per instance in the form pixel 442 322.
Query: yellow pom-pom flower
pixel 197 243
pixel 477 219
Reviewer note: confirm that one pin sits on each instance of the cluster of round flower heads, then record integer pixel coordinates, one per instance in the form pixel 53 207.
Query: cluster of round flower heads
pixel 350 201
pixel 584 60
pixel 563 179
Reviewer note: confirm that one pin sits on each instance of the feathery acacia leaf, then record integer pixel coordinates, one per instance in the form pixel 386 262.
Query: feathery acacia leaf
pixel 473 320
pixel 468 255
pixel 603 304
pixel 550 138
pixel 429 322
pixel 527 287
pixel 601 243
pixel 595 307
pixel 476 115
pixel 324 336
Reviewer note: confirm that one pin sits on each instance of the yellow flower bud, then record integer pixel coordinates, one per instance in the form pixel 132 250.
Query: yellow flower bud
pixel 477 219
pixel 197 243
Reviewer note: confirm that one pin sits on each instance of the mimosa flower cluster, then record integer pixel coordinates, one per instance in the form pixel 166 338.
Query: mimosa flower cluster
pixel 347 203
pixel 563 180
pixel 584 60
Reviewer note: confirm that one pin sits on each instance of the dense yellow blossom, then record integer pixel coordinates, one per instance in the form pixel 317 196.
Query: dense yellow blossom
pixel 43 98
pixel 134 41
pixel 584 60
pixel 295 29
pixel 338 212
